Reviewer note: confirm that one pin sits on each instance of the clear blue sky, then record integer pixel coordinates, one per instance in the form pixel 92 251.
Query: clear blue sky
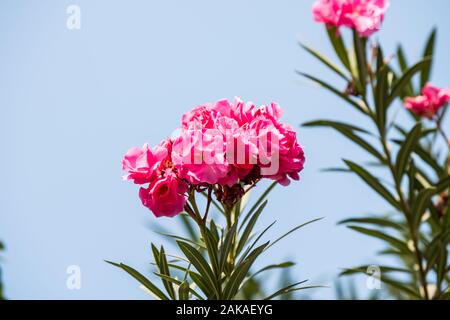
pixel 72 102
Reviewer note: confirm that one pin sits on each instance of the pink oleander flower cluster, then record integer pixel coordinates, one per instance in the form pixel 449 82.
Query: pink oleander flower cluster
pixel 225 145
pixel 365 16
pixel 429 102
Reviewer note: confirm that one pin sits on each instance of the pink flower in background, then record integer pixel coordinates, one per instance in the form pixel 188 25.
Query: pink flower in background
pixel 165 195
pixel 365 16
pixel 429 102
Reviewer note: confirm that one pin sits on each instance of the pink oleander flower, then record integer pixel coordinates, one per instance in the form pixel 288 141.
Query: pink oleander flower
pixel 365 16
pixel 199 156
pixel 429 102
pixel 232 136
pixel 143 164
pixel 280 155
pixel 227 144
pixel 165 196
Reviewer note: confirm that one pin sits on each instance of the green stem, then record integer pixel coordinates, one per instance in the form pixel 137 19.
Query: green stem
pixel 408 214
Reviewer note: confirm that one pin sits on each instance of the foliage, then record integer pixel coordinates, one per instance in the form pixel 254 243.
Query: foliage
pixel 216 262
pixel 413 158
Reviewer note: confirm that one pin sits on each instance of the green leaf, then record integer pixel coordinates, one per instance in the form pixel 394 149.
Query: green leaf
pixel 283 265
pixel 373 182
pixel 361 60
pixel 193 242
pixel 406 150
pixel 141 279
pixel 155 254
pixel 335 125
pixel 201 265
pixel 380 222
pixel 347 131
pixel 401 286
pixel 240 272
pixel 428 53
pixel 381 92
pixel 245 254
pixel 293 230
pixel 338 45
pixel 284 290
pixel 380 235
pixel 443 184
pixel 405 80
pixel 337 92
pixel 421 203
pixel 183 291
pixel 212 248
pixel 226 247
pixel 249 228
pixel 258 202
pixel 186 220
pixel 409 88
pixel 202 284
pixel 445 295
pixel 164 269
pixel 363 269
pixel 325 61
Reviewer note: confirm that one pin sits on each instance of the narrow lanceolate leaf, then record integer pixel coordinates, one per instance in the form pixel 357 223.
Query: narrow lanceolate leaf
pixel 361 60
pixel 249 228
pixel 421 204
pixel 403 64
pixel 348 131
pixel 201 265
pixel 443 184
pixel 335 125
pixel 183 291
pixel 406 150
pixel 187 224
pixel 365 268
pixel 428 53
pixel 337 92
pixel 398 244
pixel 293 230
pixel 164 269
pixel 338 46
pixel 203 285
pixel 284 290
pixel 405 80
pixel 240 272
pixel 141 279
pixel 155 254
pixel 179 283
pixel 283 265
pixel 379 222
pixel 212 248
pixel 373 182
pixel 403 287
pixel 258 202
pixel 226 247
pixel 246 254
pixel 193 242
pixel 325 61
pixel 381 92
